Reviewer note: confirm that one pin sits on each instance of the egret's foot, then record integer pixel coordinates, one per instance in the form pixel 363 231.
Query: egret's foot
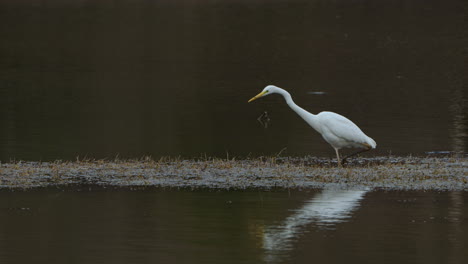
pixel 340 164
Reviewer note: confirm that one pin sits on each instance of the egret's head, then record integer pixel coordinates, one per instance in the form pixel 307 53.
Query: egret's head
pixel 266 91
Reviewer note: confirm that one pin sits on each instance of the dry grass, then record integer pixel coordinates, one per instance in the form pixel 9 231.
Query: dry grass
pixel 443 173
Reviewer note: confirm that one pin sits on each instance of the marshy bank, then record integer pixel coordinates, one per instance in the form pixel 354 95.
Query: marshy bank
pixel 398 173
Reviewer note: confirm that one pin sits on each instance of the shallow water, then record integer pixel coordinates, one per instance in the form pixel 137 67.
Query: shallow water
pixel 134 78
pixel 129 78
pixel 163 226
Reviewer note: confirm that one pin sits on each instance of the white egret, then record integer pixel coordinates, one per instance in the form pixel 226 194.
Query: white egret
pixel 337 130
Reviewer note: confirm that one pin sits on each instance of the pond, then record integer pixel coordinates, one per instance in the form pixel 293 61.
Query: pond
pixel 83 80
pixel 101 79
pixel 98 225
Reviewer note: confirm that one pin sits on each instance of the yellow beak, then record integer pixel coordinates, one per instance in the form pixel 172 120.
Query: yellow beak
pixel 257 96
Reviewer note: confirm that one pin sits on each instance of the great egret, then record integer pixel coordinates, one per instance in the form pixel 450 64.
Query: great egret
pixel 337 130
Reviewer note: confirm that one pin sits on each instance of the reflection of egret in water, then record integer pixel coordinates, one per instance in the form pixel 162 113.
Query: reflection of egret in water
pixel 325 210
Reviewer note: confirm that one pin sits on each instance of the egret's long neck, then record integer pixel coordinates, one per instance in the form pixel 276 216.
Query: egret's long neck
pixel 310 118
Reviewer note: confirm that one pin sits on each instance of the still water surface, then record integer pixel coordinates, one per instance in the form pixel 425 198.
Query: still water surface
pixel 134 78
pixel 162 226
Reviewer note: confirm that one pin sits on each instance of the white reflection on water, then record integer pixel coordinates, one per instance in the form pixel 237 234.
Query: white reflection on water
pixel 326 210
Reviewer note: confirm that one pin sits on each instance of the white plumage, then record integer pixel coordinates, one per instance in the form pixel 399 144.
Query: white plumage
pixel 337 130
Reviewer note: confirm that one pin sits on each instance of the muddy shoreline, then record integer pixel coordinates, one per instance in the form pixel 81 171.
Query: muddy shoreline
pixel 395 173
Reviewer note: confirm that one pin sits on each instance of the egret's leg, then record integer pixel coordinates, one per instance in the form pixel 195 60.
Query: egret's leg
pixel 338 157
pixel 355 153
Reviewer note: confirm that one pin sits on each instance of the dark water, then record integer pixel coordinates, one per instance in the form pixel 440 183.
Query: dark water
pixel 158 77
pixel 157 226
pixel 134 78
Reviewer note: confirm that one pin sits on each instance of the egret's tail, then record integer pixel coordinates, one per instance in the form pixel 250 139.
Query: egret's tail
pixel 371 142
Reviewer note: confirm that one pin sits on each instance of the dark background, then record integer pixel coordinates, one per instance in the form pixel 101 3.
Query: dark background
pixel 134 78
